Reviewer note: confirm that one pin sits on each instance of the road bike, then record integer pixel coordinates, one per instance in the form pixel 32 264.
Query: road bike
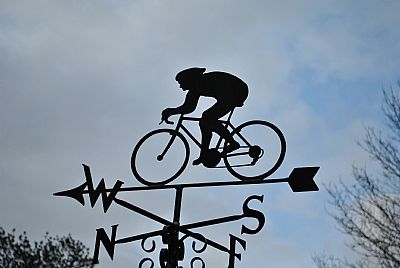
pixel 163 154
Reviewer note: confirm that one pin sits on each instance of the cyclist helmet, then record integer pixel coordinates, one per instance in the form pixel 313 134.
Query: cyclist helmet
pixel 189 76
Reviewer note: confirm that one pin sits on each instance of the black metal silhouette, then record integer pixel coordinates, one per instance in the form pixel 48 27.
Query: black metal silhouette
pixel 266 149
pixel 300 180
pixel 229 91
pixel 241 152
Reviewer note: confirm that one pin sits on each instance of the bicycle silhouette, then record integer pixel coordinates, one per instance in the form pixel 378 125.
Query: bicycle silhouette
pixel 261 152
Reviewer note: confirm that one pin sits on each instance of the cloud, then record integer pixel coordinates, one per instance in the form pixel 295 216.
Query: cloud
pixel 348 41
pixel 81 82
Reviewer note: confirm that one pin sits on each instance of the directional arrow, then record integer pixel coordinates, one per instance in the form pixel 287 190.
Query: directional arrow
pixel 300 180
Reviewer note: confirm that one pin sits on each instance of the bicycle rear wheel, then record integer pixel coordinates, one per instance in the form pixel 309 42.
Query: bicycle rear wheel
pixel 262 150
pixel 160 157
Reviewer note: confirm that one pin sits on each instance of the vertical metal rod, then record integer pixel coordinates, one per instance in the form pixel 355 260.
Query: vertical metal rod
pixel 178 205
pixel 173 245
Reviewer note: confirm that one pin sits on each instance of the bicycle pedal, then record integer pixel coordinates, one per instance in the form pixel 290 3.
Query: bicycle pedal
pixel 212 158
pixel 254 161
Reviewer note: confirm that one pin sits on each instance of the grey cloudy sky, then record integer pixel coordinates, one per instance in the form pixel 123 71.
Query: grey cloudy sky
pixel 82 81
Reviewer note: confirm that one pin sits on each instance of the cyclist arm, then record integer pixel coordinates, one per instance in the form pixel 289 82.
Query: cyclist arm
pixel 188 106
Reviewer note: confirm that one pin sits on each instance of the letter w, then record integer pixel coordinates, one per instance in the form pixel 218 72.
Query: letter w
pixel 101 189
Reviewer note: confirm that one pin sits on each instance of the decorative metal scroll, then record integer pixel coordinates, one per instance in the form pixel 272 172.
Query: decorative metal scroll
pixel 174 234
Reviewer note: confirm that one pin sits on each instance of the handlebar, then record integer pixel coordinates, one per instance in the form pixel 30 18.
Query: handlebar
pixel 166 121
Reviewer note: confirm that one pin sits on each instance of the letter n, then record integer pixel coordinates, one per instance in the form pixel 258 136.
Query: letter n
pixel 108 244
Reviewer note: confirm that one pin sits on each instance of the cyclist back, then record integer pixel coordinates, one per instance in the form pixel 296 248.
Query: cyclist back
pixel 229 92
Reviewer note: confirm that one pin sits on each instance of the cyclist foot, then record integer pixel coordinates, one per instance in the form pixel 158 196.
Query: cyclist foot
pixel 198 161
pixel 232 146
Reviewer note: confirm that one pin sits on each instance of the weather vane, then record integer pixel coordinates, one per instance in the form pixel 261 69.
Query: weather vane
pixel 251 152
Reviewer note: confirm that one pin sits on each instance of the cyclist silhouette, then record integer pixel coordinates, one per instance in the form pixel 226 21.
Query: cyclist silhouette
pixel 229 91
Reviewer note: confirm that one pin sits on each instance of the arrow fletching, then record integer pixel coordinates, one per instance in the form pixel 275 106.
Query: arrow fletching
pixel 75 193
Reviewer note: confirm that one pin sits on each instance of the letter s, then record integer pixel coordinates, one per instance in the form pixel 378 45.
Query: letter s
pixel 252 213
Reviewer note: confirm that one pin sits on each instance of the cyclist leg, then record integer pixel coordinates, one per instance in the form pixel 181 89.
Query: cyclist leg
pixel 209 123
pixel 216 112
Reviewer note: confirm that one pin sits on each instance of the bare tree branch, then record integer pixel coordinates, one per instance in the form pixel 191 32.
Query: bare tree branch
pixel 368 211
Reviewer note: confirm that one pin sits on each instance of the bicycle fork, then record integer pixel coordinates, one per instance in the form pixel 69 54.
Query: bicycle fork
pixel 160 157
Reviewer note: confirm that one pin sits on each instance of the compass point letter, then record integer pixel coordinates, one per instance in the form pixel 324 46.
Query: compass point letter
pixel 109 244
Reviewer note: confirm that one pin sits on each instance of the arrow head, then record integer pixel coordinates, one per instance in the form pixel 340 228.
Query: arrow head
pixel 301 179
pixel 75 193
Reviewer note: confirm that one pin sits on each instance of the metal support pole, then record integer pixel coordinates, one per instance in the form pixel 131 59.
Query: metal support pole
pixel 175 249
pixel 178 205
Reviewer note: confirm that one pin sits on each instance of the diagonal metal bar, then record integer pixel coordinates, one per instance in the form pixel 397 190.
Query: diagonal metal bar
pixel 181 229
pixel 202 238
pixel 212 222
pixel 139 237
pixel 142 211
pixel 152 216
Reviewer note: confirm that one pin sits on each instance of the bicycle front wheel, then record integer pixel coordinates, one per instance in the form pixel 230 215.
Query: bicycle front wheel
pixel 262 150
pixel 160 157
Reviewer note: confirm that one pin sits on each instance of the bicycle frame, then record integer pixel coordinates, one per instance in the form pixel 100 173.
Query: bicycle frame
pixel 226 123
pixel 259 154
pixel 248 154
